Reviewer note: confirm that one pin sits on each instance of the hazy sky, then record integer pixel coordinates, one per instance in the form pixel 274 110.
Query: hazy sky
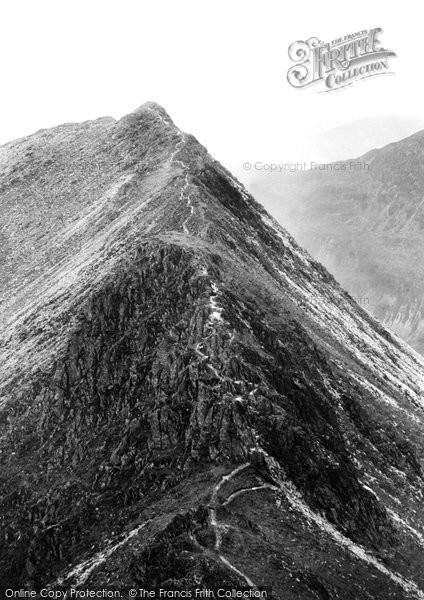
pixel 218 67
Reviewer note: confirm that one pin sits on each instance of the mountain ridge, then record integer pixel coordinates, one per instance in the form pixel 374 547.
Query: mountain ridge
pixel 190 398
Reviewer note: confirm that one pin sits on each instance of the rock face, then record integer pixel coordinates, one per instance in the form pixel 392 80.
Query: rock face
pixel 188 398
pixel 366 225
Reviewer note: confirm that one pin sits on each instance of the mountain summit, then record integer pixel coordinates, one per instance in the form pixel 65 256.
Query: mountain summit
pixel 188 399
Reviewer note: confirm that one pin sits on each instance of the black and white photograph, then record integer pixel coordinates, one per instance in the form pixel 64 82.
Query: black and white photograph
pixel 211 300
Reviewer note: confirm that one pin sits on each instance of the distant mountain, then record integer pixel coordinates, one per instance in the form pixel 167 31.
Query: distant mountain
pixel 366 225
pixel 357 137
pixel 188 399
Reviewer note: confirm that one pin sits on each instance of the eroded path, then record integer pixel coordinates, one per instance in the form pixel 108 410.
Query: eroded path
pixel 220 527
pixel 184 192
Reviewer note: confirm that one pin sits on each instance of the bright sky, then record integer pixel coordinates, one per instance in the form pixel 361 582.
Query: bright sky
pixel 218 67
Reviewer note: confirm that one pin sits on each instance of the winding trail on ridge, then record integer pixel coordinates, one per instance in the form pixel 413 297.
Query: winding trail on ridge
pixel 184 195
pixel 218 527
